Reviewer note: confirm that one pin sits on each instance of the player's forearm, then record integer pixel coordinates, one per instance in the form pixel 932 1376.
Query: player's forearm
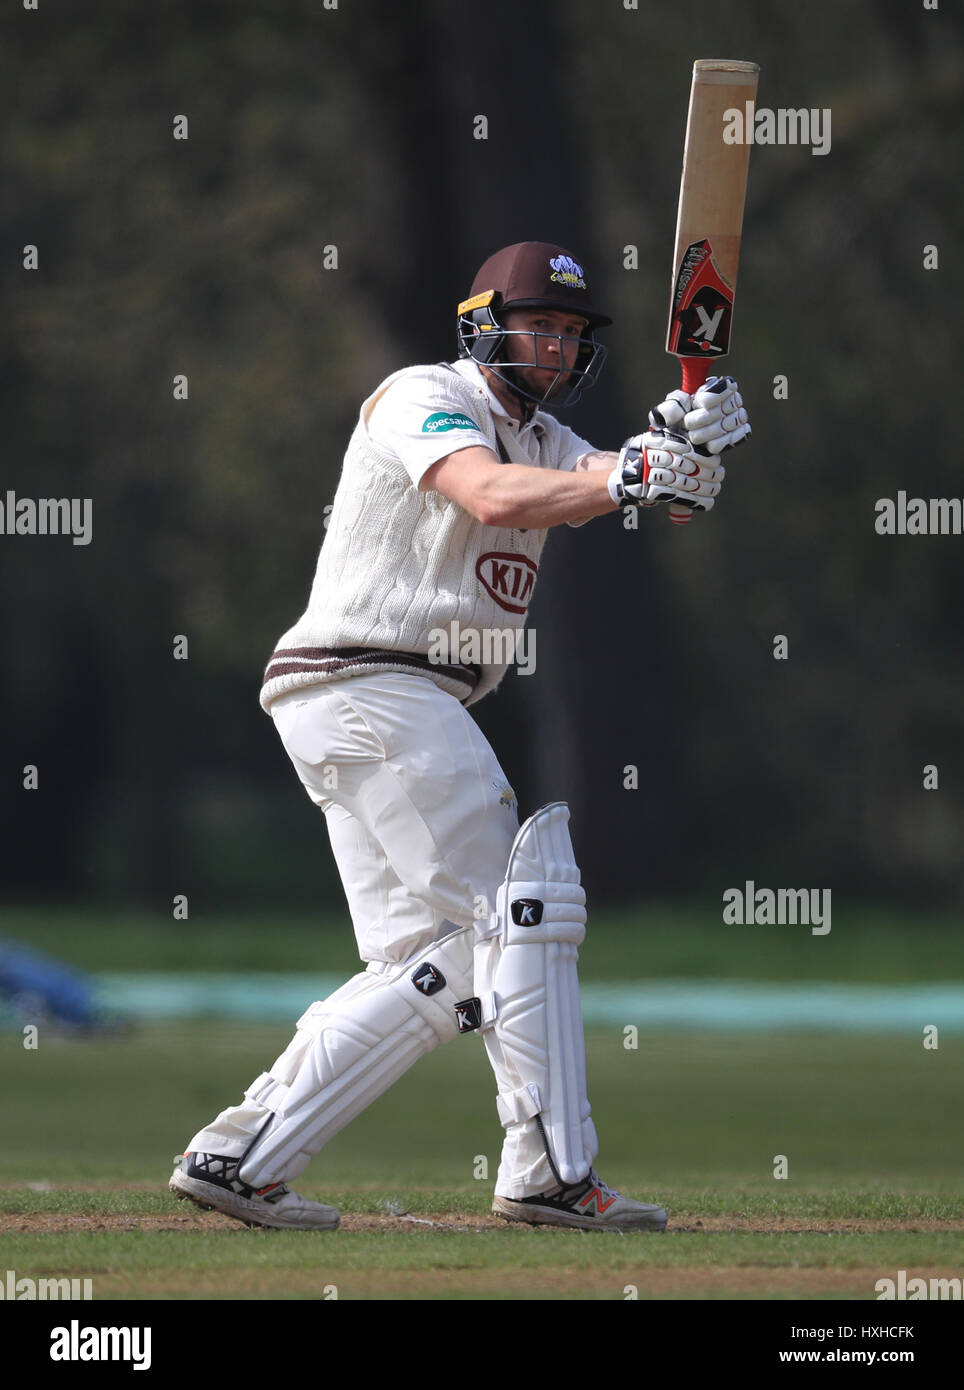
pixel 600 460
pixel 535 498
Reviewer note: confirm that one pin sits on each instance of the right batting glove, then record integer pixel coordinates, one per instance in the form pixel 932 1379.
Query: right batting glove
pixel 660 466
pixel 714 417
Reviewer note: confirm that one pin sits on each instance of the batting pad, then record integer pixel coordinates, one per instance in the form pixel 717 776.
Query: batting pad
pixel 526 976
pixel 349 1049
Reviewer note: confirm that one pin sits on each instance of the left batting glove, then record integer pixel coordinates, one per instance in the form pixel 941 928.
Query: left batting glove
pixel 660 466
pixel 714 417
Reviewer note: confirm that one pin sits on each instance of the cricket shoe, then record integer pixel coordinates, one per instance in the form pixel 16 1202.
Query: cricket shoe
pixel 211 1182
pixel 588 1205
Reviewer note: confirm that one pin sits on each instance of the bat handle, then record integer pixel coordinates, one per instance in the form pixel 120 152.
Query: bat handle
pixel 695 372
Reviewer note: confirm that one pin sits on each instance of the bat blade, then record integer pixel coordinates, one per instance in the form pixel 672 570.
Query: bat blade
pixel 709 224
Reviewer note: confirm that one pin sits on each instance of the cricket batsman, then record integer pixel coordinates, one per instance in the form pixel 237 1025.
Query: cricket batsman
pixel 464 920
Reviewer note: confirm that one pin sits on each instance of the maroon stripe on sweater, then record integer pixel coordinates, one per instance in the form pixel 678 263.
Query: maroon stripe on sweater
pixel 297 661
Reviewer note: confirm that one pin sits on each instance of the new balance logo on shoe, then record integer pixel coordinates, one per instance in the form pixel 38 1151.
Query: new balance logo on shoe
pixel 595 1198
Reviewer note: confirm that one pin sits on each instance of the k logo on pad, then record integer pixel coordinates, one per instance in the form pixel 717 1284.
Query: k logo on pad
pixel 468 1015
pixel 428 979
pixel 526 912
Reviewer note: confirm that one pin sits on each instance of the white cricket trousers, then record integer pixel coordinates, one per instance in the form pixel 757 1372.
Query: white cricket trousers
pixel 421 819
pixel 420 814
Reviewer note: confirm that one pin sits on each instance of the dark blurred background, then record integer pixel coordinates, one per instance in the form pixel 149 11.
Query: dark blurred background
pixel 352 128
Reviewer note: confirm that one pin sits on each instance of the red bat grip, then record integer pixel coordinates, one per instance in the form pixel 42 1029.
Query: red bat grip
pixel 695 372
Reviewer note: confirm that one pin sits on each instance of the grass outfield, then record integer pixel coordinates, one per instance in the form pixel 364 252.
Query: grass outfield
pixel 651 941
pixel 871 1128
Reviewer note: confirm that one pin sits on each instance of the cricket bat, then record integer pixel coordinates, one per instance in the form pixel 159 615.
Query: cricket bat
pixel 709 226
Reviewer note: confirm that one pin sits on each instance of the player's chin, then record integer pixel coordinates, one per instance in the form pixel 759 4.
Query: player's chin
pixel 548 380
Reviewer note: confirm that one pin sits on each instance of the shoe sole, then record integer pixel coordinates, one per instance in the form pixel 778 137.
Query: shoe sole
pixel 187 1189
pixel 551 1216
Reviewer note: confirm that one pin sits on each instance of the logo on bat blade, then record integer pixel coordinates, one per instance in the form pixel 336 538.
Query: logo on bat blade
pixel 702 306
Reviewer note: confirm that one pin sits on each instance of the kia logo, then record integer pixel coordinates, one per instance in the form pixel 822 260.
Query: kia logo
pixel 509 579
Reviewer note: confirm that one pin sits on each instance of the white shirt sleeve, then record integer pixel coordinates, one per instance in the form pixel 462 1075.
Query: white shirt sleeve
pixel 420 425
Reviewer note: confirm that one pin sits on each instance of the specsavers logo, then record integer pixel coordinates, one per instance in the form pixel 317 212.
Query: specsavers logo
pixel 440 421
pixel 565 271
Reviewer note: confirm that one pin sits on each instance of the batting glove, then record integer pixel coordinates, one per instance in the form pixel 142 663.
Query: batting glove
pixel 660 466
pixel 670 414
pixel 714 417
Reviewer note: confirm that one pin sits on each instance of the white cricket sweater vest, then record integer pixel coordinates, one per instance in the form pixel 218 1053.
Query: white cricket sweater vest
pixel 398 567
